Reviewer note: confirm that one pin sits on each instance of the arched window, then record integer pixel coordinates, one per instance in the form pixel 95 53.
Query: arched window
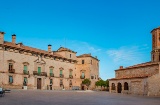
pixel 113 86
pixel 125 86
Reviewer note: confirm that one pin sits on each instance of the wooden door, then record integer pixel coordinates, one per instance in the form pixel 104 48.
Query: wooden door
pixel 38 83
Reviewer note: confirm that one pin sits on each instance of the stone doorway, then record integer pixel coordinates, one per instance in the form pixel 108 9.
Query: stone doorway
pixel 82 87
pixel 119 88
pixel 39 83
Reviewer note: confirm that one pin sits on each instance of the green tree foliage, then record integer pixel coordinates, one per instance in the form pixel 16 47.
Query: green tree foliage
pixel 102 83
pixel 86 82
pixel 107 83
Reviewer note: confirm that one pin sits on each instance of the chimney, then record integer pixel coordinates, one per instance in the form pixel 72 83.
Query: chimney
pixel 2 37
pixel 14 38
pixel 121 67
pixel 49 48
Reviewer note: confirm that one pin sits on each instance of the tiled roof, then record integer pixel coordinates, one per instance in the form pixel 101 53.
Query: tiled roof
pixel 30 49
pixel 133 76
pixel 139 65
pixel 65 49
pixel 128 78
pixel 86 55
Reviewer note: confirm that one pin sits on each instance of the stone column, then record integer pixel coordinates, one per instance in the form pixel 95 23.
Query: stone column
pixel 122 89
pixel 110 89
pixel 116 89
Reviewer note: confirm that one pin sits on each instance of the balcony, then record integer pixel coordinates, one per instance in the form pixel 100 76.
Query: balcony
pixel 82 77
pixel 71 76
pixel 61 84
pixel 51 75
pixel 61 75
pixel 11 70
pixel 40 74
pixel 25 72
pixel 43 74
pixel 70 83
pixel 35 73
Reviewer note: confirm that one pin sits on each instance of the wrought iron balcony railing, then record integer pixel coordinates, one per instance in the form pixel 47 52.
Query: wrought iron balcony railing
pixel 11 70
pixel 25 72
pixel 51 75
pixel 40 74
pixel 70 83
pixel 82 77
pixel 71 76
pixel 61 75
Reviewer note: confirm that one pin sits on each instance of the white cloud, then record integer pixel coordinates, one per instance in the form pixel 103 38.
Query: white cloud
pixel 84 47
pixel 128 54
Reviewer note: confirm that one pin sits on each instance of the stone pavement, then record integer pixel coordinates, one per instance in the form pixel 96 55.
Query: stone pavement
pixel 47 97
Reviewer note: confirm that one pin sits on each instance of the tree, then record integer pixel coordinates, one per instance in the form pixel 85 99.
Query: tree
pixel 102 83
pixel 107 83
pixel 86 82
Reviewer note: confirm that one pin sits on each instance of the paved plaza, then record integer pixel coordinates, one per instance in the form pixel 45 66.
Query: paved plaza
pixel 44 97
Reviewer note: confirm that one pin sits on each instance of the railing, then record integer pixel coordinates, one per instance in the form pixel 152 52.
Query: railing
pixel 25 72
pixel 40 74
pixel 43 74
pixel 35 73
pixel 51 75
pixel 61 75
pixel 11 70
pixel 70 83
pixel 61 84
pixel 82 77
pixel 71 76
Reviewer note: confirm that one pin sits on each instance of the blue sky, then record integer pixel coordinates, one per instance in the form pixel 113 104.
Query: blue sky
pixel 117 31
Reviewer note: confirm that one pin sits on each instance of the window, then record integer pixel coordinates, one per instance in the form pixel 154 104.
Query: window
pixel 70 55
pixel 25 67
pixel 10 79
pixel 82 74
pixel 25 81
pixel 91 62
pixel 82 61
pixel 61 72
pixel 70 73
pixel 70 82
pixel 10 66
pixel 51 81
pixel 51 71
pixel 39 70
pixel 113 86
pixel 92 77
pixel 61 82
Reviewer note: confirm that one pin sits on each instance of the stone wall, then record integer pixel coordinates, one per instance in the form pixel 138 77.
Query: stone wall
pixel 154 85
pixel 33 61
pixel 90 68
pixel 136 86
pixel 137 72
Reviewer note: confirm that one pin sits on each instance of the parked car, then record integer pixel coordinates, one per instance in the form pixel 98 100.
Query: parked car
pixel 2 92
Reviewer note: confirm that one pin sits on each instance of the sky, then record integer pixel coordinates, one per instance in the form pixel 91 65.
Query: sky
pixel 116 31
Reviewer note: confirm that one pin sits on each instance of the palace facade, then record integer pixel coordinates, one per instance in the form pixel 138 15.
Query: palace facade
pixel 141 79
pixel 22 65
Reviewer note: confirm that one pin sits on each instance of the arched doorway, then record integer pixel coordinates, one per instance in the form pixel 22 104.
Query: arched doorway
pixel 113 86
pixel 119 88
pixel 126 86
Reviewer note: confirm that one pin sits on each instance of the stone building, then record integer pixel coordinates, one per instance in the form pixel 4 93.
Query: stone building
pixel 22 65
pixel 141 79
